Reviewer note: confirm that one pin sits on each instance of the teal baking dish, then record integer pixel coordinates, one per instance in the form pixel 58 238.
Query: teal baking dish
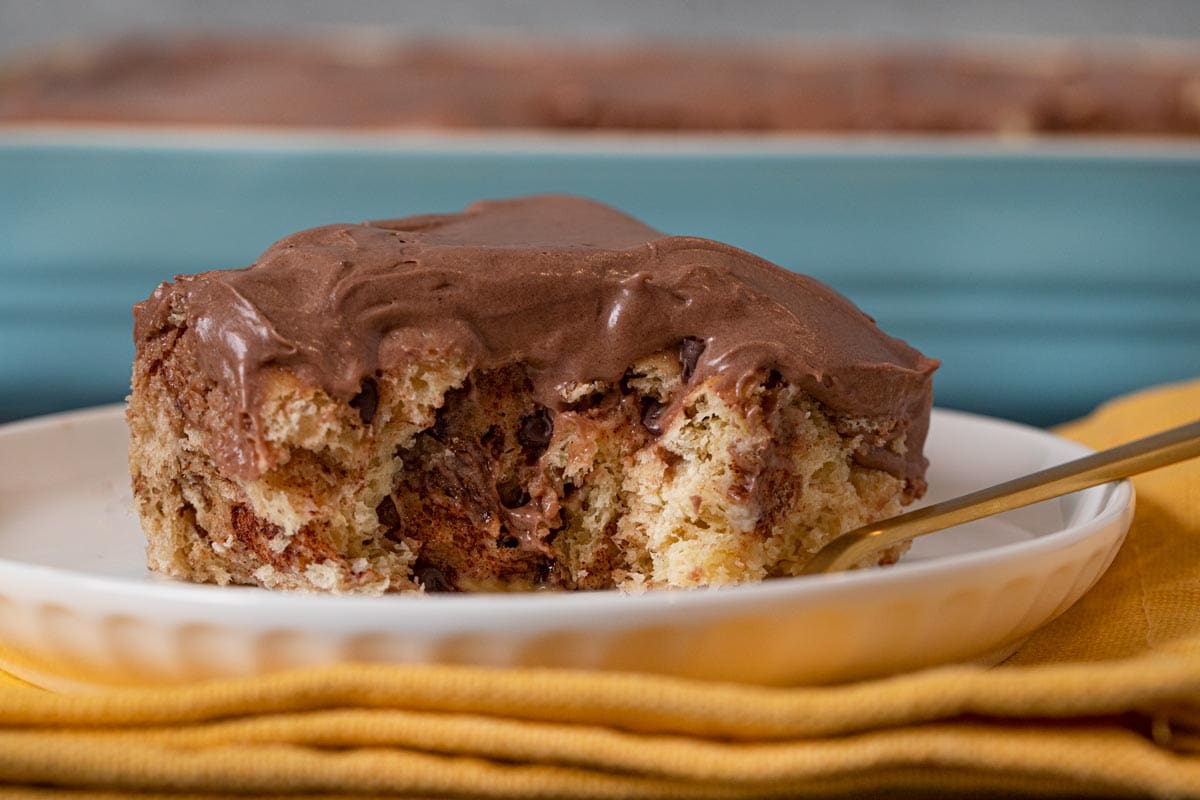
pixel 1046 277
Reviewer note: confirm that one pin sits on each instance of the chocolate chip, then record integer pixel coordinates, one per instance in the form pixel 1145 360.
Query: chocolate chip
pixel 536 430
pixel 366 401
pixel 652 412
pixel 690 350
pixel 440 430
pixel 432 578
pixel 512 493
pixel 507 541
pixel 388 516
pixel 492 441
pixel 546 573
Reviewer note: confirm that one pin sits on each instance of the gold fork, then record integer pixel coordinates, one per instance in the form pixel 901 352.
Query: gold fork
pixel 1143 455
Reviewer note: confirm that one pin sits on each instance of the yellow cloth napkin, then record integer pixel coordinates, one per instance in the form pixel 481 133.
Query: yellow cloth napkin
pixel 1106 700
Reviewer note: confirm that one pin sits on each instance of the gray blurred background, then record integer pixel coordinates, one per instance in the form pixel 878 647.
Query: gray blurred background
pixel 32 24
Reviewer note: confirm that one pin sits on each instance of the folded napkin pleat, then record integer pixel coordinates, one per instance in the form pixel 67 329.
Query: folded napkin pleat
pixel 1104 701
pixel 1178 729
pixel 552 763
pixel 643 703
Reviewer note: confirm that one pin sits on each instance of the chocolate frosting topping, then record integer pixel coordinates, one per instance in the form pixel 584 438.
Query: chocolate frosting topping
pixel 574 290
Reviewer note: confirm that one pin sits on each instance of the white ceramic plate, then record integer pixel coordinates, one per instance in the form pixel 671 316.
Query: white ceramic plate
pixel 77 605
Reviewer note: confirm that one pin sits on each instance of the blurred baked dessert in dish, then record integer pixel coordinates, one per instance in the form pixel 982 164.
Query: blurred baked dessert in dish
pixel 533 393
pixel 366 82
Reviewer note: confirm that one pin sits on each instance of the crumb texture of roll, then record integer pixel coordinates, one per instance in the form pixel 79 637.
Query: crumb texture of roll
pixel 539 393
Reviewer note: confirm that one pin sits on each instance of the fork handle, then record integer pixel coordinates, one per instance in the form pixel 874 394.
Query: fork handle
pixel 1141 455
